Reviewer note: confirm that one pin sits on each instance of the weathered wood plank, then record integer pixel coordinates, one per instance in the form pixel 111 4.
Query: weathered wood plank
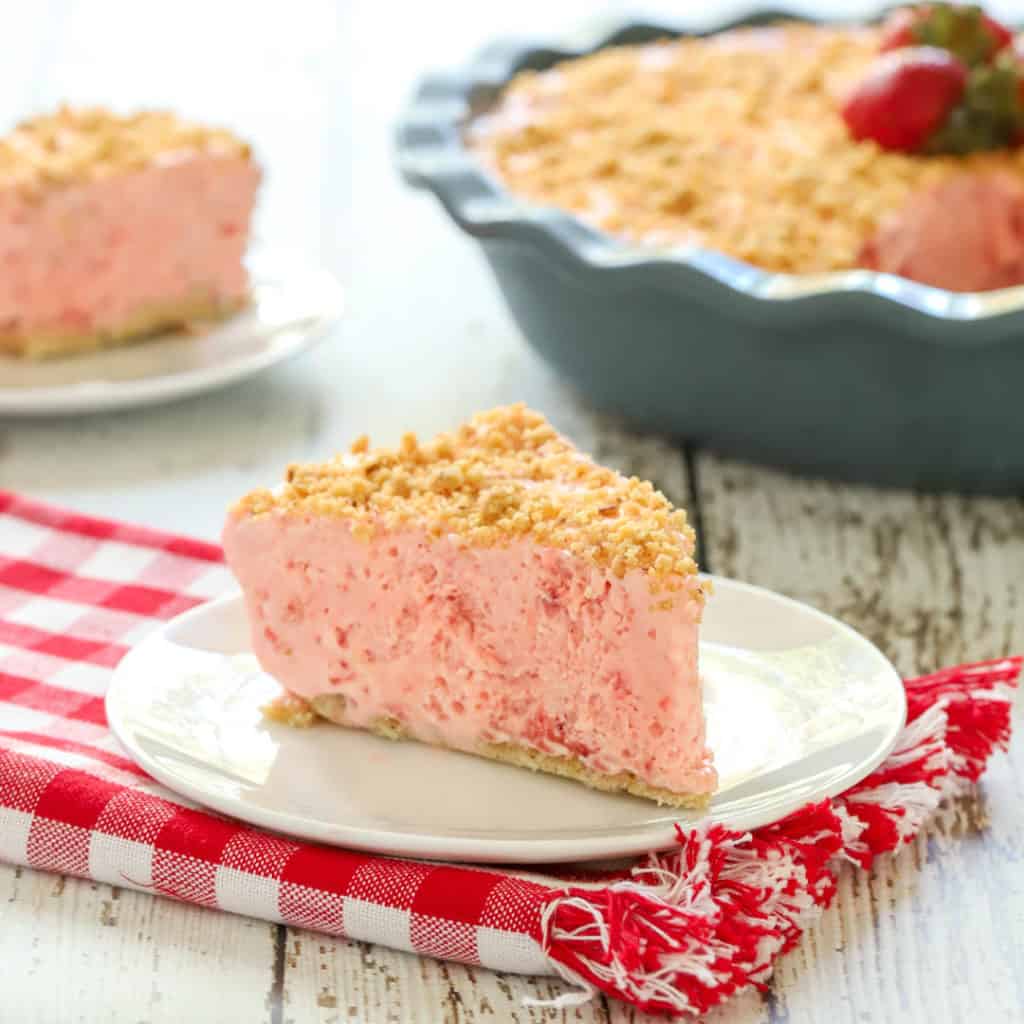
pixel 329 980
pixel 932 580
pixel 748 1008
pixel 76 951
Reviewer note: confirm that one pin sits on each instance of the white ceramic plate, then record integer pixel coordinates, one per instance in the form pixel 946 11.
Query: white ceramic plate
pixel 799 707
pixel 294 307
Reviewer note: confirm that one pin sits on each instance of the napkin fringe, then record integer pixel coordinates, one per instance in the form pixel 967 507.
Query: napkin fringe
pixel 690 927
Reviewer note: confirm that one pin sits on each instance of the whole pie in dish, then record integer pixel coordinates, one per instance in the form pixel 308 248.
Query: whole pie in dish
pixel 798 148
pixel 114 227
pixel 493 591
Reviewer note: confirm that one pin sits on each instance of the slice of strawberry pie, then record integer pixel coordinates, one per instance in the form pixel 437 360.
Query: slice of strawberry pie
pixel 495 592
pixel 114 227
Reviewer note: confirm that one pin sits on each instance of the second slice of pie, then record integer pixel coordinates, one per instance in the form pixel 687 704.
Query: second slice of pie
pixel 493 591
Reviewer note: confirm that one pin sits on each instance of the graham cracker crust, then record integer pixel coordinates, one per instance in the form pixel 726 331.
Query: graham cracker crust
pixel 185 314
pixel 573 768
pixel 291 710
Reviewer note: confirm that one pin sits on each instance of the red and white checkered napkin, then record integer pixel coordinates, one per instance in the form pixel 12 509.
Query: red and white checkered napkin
pixel 679 932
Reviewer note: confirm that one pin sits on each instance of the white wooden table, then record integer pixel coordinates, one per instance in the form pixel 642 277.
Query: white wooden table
pixel 935 934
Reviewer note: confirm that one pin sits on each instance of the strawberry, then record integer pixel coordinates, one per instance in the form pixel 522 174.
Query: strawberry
pixel 905 97
pixel 963 29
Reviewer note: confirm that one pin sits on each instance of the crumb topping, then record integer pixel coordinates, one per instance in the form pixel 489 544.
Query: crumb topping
pixel 504 475
pixel 734 142
pixel 75 145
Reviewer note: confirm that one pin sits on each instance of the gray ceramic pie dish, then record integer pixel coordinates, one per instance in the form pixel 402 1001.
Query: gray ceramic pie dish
pixel 856 374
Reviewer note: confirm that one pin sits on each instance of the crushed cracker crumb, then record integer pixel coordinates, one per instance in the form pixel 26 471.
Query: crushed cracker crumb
pixel 82 144
pixel 506 474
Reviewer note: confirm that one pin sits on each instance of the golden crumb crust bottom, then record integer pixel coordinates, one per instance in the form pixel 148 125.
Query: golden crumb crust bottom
pixel 294 711
pixel 184 314
pixel 573 768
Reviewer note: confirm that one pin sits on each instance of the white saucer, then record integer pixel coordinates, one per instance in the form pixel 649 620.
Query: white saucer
pixel 293 308
pixel 799 707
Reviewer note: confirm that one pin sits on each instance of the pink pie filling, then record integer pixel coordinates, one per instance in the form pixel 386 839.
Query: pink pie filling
pixel 965 234
pixel 467 646
pixel 89 256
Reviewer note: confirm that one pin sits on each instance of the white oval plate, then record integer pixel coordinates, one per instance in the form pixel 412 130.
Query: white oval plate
pixel 293 308
pixel 799 707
